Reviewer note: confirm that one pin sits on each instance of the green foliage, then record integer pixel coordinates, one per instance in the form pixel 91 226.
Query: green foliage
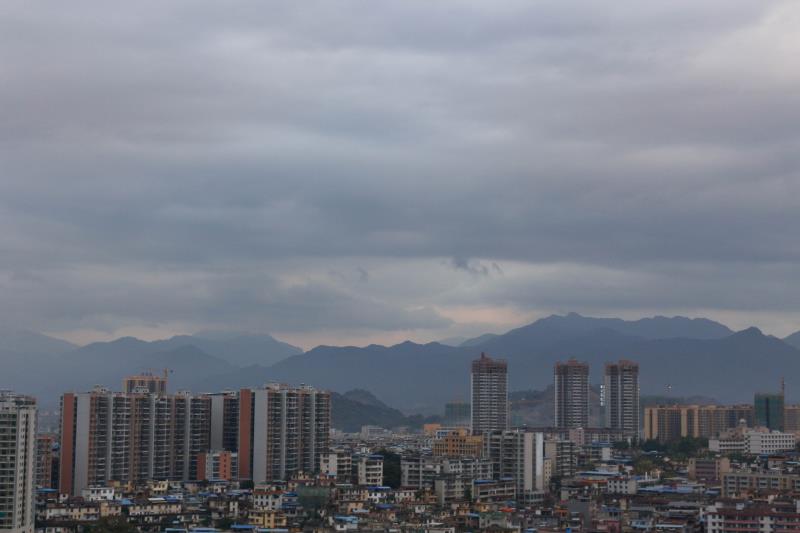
pixel 685 447
pixel 113 524
pixel 313 498
pixel 643 465
pixel 391 468
pixel 224 523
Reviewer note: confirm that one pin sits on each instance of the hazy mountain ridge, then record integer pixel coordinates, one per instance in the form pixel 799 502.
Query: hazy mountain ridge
pixel 793 339
pixel 191 362
pixel 422 377
pixel 359 407
pixel 729 368
pixel 27 342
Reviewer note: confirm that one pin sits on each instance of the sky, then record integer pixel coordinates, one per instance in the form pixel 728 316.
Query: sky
pixel 358 172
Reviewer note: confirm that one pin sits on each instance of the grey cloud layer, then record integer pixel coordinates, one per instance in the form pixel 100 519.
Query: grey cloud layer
pixel 155 157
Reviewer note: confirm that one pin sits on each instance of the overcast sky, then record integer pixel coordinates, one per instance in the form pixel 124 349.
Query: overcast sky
pixel 355 172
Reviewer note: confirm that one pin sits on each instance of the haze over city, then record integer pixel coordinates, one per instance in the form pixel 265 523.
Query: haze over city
pixel 350 174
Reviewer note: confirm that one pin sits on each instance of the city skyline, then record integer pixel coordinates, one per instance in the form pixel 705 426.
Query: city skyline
pixel 408 266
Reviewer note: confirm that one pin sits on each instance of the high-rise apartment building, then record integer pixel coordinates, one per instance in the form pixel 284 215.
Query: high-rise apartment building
pixel 225 421
pixel 130 437
pixel 621 397
pixel 571 380
pixel 282 431
pixel 17 462
pixel 140 436
pixel 769 411
pixel 489 385
pixel 667 423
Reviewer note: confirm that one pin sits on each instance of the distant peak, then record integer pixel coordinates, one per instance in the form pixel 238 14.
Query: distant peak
pixel 752 331
pixel 128 339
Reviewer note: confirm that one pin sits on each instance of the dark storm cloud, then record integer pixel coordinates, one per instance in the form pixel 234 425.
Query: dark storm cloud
pixel 155 156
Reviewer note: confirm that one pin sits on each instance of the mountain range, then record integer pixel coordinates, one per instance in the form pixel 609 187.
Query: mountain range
pixel 45 367
pixel 678 357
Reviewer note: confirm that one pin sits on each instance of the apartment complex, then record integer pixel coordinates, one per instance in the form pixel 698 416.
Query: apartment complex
pixel 518 455
pixel 458 442
pixel 749 483
pixel 489 384
pixel 755 441
pixel 134 437
pixel 667 423
pixel 571 380
pixel 130 437
pixel 17 462
pixel 282 431
pixel 621 397
pixel 218 465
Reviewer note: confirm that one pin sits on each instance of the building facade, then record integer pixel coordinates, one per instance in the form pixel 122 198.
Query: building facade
pixel 458 443
pixel 17 462
pixel 668 423
pixel 46 460
pixel 571 381
pixel 147 383
pixel 130 437
pixel 769 411
pixel 287 433
pixel 519 455
pixel 368 470
pixel 621 397
pixel 140 436
pixel 489 385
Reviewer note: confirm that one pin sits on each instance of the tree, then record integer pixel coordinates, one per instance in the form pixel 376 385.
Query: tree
pixel 224 523
pixel 642 465
pixel 391 468
pixel 113 524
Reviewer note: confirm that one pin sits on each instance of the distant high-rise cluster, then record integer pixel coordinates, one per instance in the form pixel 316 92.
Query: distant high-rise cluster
pixel 138 436
pixel 571 382
pixel 489 384
pixel 17 462
pixel 490 409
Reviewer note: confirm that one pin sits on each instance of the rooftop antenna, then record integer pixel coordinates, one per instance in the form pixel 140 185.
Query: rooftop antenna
pixel 783 387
